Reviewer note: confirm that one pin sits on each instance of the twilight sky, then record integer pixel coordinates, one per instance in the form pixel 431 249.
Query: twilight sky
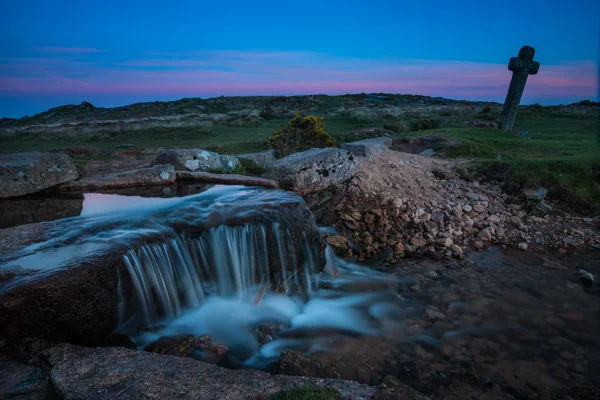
pixel 120 52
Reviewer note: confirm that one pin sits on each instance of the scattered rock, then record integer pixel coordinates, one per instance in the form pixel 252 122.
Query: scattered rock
pixel 445 242
pixel 523 246
pixel 338 243
pixel 586 278
pixel 368 148
pixel 537 195
pixel 486 234
pixel 196 159
pixel 25 173
pixel 174 346
pixel 431 275
pixel 263 159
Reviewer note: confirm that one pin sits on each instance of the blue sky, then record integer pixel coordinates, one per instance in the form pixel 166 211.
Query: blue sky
pixel 113 53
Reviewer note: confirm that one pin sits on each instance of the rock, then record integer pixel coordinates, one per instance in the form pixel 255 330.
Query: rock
pixel 23 382
pixel 585 278
pixel 368 148
pixel 458 212
pixel 263 159
pixel 457 250
pixel 479 207
pixel 478 244
pixel 445 242
pixel 418 241
pixel 196 159
pixel 523 246
pixel 313 170
pixel 467 208
pixel 208 351
pixel 175 346
pixel 538 195
pixel 111 373
pixel 338 243
pixel 494 219
pixel 438 218
pixel 226 179
pixel 427 153
pixel 393 389
pixel 434 315
pixel 297 364
pixel 486 234
pixel 431 274
pixel 545 207
pixel 570 240
pixel 156 175
pixel 25 173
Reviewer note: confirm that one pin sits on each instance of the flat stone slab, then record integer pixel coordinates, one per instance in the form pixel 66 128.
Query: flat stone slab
pixel 368 148
pixel 155 175
pixel 312 170
pixel 25 173
pixel 110 373
pixel 227 179
pixel 196 160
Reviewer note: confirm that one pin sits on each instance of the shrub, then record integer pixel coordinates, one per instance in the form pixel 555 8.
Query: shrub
pixel 424 124
pixel 267 113
pixel 398 126
pixel 300 134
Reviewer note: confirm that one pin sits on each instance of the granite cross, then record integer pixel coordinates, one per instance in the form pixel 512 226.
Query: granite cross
pixel 521 67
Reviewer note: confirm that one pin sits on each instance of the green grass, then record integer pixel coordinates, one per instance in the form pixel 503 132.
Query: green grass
pixel 563 155
pixel 307 393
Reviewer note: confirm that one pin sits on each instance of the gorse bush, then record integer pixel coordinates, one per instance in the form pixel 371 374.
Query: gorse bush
pixel 299 134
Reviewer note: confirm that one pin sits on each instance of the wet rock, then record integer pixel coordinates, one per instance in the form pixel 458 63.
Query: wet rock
pixel 23 382
pixel 25 173
pixel 486 234
pixel 445 242
pixel 523 246
pixel 585 278
pixel 196 160
pixel 175 346
pixel 312 170
pixel 156 175
pixel 338 243
pixel 263 159
pixel 431 274
pixel 110 373
pixel 368 148
pixel 478 244
pixel 226 179
pixel 393 389
pixel 209 351
pixel 297 364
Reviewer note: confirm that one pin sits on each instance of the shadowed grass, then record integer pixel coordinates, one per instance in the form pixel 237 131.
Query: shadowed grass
pixel 307 393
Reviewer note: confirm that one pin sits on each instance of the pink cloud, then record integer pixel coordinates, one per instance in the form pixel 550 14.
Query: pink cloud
pixel 246 73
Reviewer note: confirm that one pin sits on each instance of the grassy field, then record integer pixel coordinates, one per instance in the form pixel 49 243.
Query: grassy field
pixel 561 150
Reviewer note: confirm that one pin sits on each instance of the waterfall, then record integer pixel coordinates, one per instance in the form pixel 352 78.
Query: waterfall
pixel 237 262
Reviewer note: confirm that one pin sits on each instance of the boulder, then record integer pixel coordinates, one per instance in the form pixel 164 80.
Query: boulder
pixel 21 381
pixel 196 160
pixel 25 173
pixel 315 169
pixel 156 175
pixel 110 373
pixel 368 148
pixel 263 159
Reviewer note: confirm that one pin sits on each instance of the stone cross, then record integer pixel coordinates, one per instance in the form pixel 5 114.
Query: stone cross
pixel 521 67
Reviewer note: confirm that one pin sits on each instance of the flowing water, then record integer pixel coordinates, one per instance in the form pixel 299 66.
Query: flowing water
pixel 230 261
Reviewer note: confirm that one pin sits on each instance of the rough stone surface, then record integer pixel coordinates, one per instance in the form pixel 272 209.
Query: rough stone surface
pixel 264 158
pixel 26 173
pixel 368 148
pixel 227 179
pixel 109 373
pixel 196 160
pixel 297 364
pixel 314 169
pixel 156 175
pixel 23 382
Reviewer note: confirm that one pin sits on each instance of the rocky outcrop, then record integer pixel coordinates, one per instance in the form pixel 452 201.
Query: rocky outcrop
pixel 226 179
pixel 196 160
pixel 313 170
pixel 263 159
pixel 156 175
pixel 368 148
pixel 109 373
pixel 25 173
pixel 23 382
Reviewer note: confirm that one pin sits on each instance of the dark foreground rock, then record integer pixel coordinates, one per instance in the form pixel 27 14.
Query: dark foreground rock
pixel 25 173
pixel 313 170
pixel 23 382
pixel 196 160
pixel 109 373
pixel 156 175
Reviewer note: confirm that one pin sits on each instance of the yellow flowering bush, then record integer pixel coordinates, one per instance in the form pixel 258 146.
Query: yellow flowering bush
pixel 299 134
